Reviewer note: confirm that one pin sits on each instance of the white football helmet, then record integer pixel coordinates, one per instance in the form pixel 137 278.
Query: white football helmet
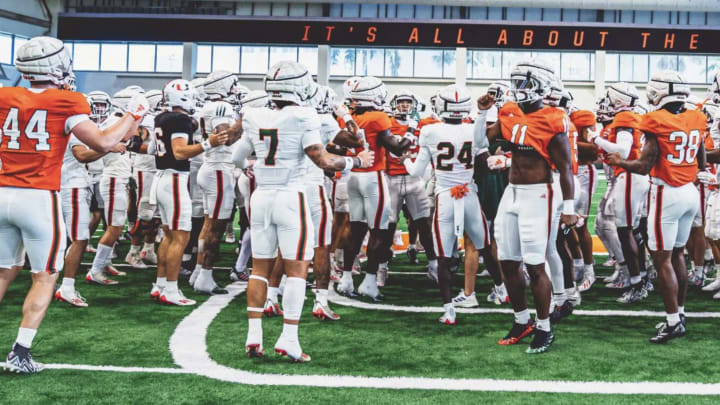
pixel 531 81
pixel 621 96
pixel 121 99
pixel 43 59
pixel 692 102
pixel 289 81
pixel 558 96
pixel 403 95
pixel 100 105
pixel 180 93
pixel 711 111
pixel 667 87
pixel 219 84
pixel 369 92
pixel 240 91
pixel 71 85
pixel 641 109
pixel 714 90
pixel 198 86
pixel 136 88
pixel 154 98
pixel 255 99
pixel 602 110
pixel 500 92
pixel 348 85
pixel 454 102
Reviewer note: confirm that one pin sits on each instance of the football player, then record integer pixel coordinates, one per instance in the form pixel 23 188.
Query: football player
pixel 280 219
pixel 174 146
pixel 99 112
pixel 451 147
pixel 37 123
pixel 523 223
pixel 673 151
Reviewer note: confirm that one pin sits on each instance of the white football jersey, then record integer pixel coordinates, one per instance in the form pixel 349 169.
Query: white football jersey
pixel 219 157
pixel 74 174
pixel 197 160
pixel 116 165
pixel 452 150
pixel 329 128
pixel 279 139
pixel 145 162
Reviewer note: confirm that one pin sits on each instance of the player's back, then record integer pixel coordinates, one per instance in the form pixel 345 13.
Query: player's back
pixel 452 150
pixel 35 125
pixel 221 156
pixel 277 137
pixel 678 137
pixel 371 123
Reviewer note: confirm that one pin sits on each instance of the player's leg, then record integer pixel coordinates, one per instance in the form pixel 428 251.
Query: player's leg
pixel 444 241
pixel 624 194
pixel 418 206
pixel 321 209
pixel 76 212
pixel 219 202
pixel 197 221
pixel 358 229
pixel 114 194
pixel 377 202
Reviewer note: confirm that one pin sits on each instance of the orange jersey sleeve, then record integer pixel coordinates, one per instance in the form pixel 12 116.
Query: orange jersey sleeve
pixel 372 123
pixel 627 119
pixel 678 137
pixel 394 167
pixel 582 119
pixel 573 139
pixel 532 131
pixel 427 121
pixel 34 136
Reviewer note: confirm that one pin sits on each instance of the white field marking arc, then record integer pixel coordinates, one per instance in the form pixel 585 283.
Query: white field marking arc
pixel 189 350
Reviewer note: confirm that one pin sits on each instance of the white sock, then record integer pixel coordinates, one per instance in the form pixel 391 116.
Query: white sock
pixel 171 286
pixel 522 317
pixel 500 289
pixel 206 273
pixel 135 249
pixel 370 278
pixel 708 254
pixel 412 247
pixel 570 291
pixel 543 324
pixel 340 255
pixel 322 297
pixel 245 252
pixel 589 269
pixel 186 257
pixel 433 263
pixel 635 279
pixel 681 310
pixel 272 294
pixel 255 332
pixel 68 283
pixel 102 258
pixel 559 298
pixel 25 337
pixel 161 282
pixel 149 247
pixel 578 263
pixel 673 319
pixel 698 271
pixel 347 275
pixel 290 330
pixel 448 307
pixel 293 299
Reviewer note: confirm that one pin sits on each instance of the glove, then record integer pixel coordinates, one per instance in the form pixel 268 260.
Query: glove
pixel 706 177
pixel 411 137
pixel 138 106
pixel 340 110
pixel 498 162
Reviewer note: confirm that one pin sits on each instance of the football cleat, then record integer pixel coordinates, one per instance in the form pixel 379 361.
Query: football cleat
pixel 272 309
pixel 345 287
pixel 112 271
pixel 648 287
pixel 613 277
pixel 291 349
pixel 541 342
pixel 432 273
pixel 239 275
pixel 175 298
pixel 20 361
pixel 621 283
pixel 666 332
pixel 230 237
pixel 517 333
pixel 254 350
pixel 587 282
pixel 149 256
pixel 135 261
pixel 695 281
pixel 449 317
pixel 561 311
pixel 90 249
pixel 609 263
pixel 323 312
pixel 485 273
pixel 194 276
pixel 716 296
pixel 155 292
pixel 206 285
pixel 412 256
pixel 356 267
pixel 579 274
pixel 498 297
pixel 369 289
pixel 185 272
pixel 382 275
pixel 73 298
pixel 466 301
pixel 714 286
pixel 99 278
pixel 634 294
pixel 575 298
pixel 334 276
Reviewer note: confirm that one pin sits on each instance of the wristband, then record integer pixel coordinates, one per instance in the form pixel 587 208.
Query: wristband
pixel 568 207
pixel 347 118
pixel 206 145
pixel 349 163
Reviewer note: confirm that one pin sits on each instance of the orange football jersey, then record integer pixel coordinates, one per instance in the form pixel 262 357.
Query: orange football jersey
pixel 627 119
pixel 679 137
pixel 372 123
pixel 532 131
pixel 33 138
pixel 394 167
pixel 573 139
pixel 583 118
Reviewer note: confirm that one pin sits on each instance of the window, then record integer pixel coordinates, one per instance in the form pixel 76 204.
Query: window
pixel 113 57
pixel 399 62
pixel 342 61
pixel 204 58
pixel 549 59
pixel 281 53
pixel 449 62
pixel 87 56
pixel 6 49
pixel 254 59
pixel 486 65
pixel 663 62
pixel 169 58
pixel 612 73
pixel 350 10
pixel 142 58
pixel 19 41
pixel 713 65
pixel 693 67
pixel 308 57
pixel 575 66
pixel 226 58
pixel 428 63
pixel 633 67
pixel 551 14
pixel 510 59
pixel 369 62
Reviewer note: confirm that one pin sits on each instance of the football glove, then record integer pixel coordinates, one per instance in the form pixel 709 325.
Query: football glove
pixel 138 106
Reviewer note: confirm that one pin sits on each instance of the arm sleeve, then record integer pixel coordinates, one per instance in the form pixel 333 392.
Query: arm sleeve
pixel 622 146
pixel 480 131
pixel 417 168
pixel 311 126
pixel 241 151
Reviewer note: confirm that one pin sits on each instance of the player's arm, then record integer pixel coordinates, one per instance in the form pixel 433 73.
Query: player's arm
pixel 417 168
pixel 183 151
pixel 104 140
pixel 85 155
pixel 559 150
pixel 392 144
pixel 702 157
pixel 241 151
pixel 713 156
pixel 349 136
pixel 622 146
pixel 235 131
pixel 647 158
pixel 482 130
pixel 329 161
pixel 336 149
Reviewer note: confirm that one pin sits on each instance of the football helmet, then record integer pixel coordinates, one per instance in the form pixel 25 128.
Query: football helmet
pixel 531 81
pixel 121 98
pixel 71 84
pixel 180 93
pixel 369 92
pixel 239 92
pixel 500 92
pixel 692 102
pixel 454 102
pixel 220 84
pixel 558 96
pixel 711 111
pixel 136 89
pixel 403 95
pixel 289 81
pixel 327 100
pixel 255 99
pixel 100 104
pixel 602 110
pixel 714 90
pixel 621 96
pixel 154 98
pixel 667 87
pixel 43 59
pixel 641 109
pixel 348 85
pixel 200 96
